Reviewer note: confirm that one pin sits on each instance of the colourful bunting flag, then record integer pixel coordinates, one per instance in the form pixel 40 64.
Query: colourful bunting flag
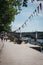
pixel 29 17
pixel 32 1
pixel 19 28
pixel 23 26
pixel 25 23
pixel 40 6
pixel 38 9
pixel 34 12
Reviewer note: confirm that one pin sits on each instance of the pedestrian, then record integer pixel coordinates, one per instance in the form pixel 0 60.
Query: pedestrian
pixel 2 37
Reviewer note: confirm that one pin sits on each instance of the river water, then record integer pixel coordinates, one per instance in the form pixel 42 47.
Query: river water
pixel 38 40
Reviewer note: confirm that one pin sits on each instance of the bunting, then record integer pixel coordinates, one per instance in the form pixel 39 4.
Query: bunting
pixel 32 1
pixel 19 28
pixel 23 26
pixel 34 13
pixel 25 23
pixel 40 6
pixel 38 9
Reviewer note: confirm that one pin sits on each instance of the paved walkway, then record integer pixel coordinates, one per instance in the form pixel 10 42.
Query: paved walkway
pixel 1 44
pixel 14 54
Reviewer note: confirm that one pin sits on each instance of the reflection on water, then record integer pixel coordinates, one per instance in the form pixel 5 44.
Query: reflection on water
pixel 32 41
pixel 42 51
pixel 40 40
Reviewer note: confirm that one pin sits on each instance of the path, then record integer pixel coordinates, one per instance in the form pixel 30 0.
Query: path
pixel 14 54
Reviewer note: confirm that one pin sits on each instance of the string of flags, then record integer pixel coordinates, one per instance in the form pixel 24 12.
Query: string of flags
pixel 35 11
pixel 32 1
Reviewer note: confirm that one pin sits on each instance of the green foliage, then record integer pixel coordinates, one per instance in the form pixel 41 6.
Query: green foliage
pixel 8 10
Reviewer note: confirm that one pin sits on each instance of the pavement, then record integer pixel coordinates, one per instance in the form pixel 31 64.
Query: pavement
pixel 1 44
pixel 19 54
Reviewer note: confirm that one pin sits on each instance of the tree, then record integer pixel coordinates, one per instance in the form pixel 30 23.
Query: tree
pixel 8 10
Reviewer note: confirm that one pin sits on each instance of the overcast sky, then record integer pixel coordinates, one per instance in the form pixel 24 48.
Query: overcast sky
pixel 34 24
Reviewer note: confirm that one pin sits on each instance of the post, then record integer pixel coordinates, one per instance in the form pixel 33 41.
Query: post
pixel 36 36
pixel 20 34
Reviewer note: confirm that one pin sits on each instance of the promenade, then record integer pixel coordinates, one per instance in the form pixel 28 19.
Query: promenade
pixel 19 54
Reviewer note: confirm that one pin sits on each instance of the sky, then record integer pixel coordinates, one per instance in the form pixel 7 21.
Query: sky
pixel 33 24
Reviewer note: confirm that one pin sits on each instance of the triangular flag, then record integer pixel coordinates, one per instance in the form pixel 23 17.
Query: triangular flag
pixel 22 25
pixel 19 28
pixel 34 12
pixel 29 17
pixel 25 23
pixel 40 6
pixel 38 9
pixel 32 1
